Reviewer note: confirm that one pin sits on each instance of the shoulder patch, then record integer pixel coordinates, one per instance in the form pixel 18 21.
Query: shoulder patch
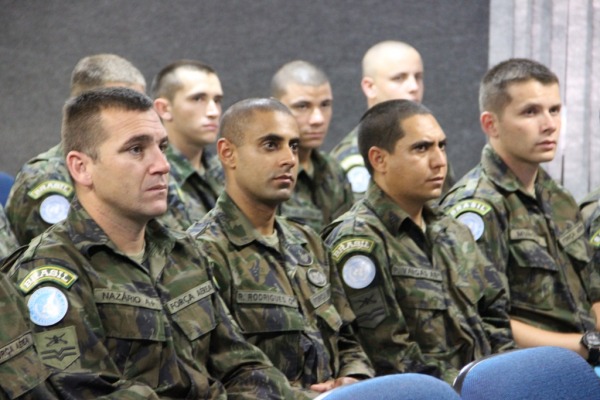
pixel 58 348
pixel 48 273
pixel 54 208
pixel 348 245
pixel 595 239
pixel 472 205
pixel 358 177
pixel 474 222
pixel 52 186
pixel 358 272
pixel 47 306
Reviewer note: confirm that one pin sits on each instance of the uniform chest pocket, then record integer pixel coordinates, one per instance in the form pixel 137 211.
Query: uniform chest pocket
pixel 419 288
pixel 264 311
pixel 196 319
pixel 531 279
pixel 123 321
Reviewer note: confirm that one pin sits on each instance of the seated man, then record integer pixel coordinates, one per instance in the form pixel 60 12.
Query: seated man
pixel 274 274
pixel 425 298
pixel 122 306
pixel 322 191
pixel 529 226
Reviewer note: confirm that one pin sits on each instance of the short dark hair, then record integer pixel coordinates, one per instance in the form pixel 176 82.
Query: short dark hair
pixel 240 114
pixel 82 128
pixel 381 126
pixel 165 84
pixel 493 90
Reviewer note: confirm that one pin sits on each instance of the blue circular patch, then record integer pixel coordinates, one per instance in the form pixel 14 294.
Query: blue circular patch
pixel 474 222
pixel 359 178
pixel 47 306
pixel 358 272
pixel 54 208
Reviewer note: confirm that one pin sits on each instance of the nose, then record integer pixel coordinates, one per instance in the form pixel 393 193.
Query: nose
pixel 289 157
pixel 551 122
pixel 439 158
pixel 160 165
pixel 213 109
pixel 316 116
pixel 412 83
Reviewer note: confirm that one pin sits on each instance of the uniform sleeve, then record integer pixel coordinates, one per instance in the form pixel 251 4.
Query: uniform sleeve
pixel 381 324
pixel 8 241
pixel 65 323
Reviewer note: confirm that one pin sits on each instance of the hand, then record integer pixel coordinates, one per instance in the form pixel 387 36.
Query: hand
pixel 332 384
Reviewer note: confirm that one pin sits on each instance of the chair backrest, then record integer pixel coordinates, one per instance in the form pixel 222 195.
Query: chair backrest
pixel 6 182
pixel 408 386
pixel 535 373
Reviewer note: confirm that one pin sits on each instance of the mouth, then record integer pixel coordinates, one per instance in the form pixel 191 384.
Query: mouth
pixel 285 178
pixel 549 144
pixel 158 188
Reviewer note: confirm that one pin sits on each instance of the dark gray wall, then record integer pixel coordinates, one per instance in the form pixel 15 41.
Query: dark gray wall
pixel 246 41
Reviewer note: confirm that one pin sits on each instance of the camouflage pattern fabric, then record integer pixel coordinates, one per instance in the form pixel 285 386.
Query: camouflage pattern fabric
pixel 425 302
pixel 285 297
pixel 590 211
pixel 8 241
pixel 537 243
pixel 346 153
pixel 40 195
pixel 319 199
pixel 23 374
pixel 109 327
pixel 200 190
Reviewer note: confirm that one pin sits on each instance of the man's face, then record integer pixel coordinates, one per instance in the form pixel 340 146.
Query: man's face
pixel 398 76
pixel 312 108
pixel 527 131
pixel 417 168
pixel 196 108
pixel 266 163
pixel 130 175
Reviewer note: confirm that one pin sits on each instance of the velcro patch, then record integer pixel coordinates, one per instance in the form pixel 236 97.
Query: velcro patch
pixel 415 272
pixel 571 235
pixel 527 234
pixel 369 307
pixel 106 296
pixel 349 245
pixel 191 296
pixel 265 297
pixel 476 206
pixel 52 186
pixel 48 273
pixel 321 297
pixel 16 347
pixel 58 348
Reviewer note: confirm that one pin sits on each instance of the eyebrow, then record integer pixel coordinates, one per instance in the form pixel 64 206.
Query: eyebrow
pixel 143 139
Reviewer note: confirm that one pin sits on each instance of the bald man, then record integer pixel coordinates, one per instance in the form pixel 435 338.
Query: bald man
pixel 322 192
pixel 392 70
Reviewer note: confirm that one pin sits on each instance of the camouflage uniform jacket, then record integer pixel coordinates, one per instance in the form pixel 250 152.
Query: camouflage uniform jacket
pixel 346 152
pixel 40 195
pixel 286 299
pixel 200 191
pixel 319 199
pixel 425 302
pixel 108 326
pixel 22 373
pixel 590 211
pixel 8 241
pixel 537 243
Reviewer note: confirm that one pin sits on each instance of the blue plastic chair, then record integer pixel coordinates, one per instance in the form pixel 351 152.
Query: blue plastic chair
pixel 6 182
pixel 407 386
pixel 549 373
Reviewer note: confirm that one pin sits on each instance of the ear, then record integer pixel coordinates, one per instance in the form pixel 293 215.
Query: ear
pixel 163 109
pixel 79 164
pixel 378 159
pixel 227 154
pixel 368 87
pixel 488 122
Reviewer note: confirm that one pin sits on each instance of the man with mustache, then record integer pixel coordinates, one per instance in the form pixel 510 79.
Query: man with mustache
pixel 529 226
pixel 425 298
pixel 274 273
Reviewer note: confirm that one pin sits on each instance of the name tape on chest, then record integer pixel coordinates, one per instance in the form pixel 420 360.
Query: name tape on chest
pixel 107 296
pixel 350 245
pixel 16 347
pixel 418 273
pixel 191 296
pixel 321 297
pixel 48 273
pixel 571 235
pixel 265 297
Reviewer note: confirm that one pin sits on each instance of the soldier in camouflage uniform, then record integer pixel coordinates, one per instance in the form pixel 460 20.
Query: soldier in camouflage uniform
pixel 8 241
pixel 23 375
pixel 187 96
pixel 392 70
pixel 529 226
pixel 425 298
pixel 590 211
pixel 119 305
pixel 274 273
pixel 322 191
